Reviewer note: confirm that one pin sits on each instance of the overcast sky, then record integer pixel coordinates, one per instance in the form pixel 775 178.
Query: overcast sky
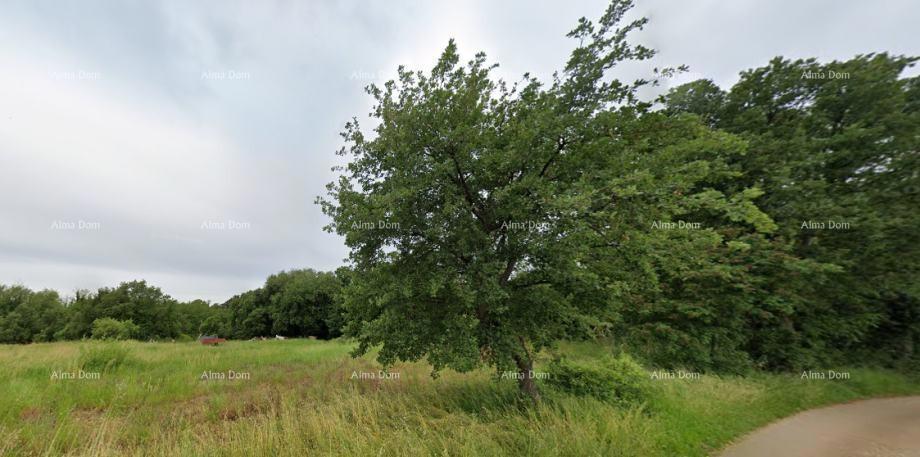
pixel 184 142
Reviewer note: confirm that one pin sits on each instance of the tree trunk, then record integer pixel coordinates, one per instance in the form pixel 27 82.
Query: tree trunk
pixel 525 378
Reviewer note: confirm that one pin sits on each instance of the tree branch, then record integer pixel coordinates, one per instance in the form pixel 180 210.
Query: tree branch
pixel 471 199
pixel 560 145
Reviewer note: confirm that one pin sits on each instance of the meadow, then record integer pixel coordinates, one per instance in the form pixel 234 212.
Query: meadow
pixel 309 397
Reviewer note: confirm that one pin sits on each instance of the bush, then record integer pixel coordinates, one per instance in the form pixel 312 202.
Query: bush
pixel 112 329
pixel 619 380
pixel 215 324
pixel 102 357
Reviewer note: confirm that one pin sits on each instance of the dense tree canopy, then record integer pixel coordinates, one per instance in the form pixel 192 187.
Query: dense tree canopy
pixel 296 303
pixel 291 303
pixel 146 306
pixel 487 222
pixel 27 316
pixel 834 146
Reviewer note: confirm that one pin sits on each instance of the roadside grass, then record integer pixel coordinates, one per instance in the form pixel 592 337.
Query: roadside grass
pixel 300 398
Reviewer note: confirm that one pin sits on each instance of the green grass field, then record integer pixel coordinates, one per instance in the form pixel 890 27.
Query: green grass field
pixel 300 398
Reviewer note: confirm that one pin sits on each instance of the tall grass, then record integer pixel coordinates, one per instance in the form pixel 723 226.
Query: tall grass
pixel 300 399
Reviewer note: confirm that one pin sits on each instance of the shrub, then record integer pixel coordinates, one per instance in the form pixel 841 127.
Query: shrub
pixel 112 329
pixel 631 379
pixel 619 380
pixel 102 357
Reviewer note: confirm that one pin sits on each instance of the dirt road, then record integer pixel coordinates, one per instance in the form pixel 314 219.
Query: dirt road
pixel 887 427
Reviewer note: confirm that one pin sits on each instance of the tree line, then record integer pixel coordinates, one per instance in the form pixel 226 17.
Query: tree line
pixel 296 303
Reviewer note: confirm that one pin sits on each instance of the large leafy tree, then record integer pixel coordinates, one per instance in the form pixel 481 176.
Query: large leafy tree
pixel 486 222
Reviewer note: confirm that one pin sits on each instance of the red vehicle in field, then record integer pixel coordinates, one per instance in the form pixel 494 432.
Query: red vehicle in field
pixel 210 340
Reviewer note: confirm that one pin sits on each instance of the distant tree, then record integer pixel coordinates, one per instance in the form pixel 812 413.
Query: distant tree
pixel 191 315
pixel 12 329
pixel 249 315
pixel 80 315
pixel 217 323
pixel 27 316
pixel 148 307
pixel 304 305
pixel 296 303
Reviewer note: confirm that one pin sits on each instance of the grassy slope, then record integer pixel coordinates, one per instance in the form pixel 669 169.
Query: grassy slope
pixel 300 400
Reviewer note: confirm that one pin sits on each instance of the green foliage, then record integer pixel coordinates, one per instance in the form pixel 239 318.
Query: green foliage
pixel 615 379
pixel 248 315
pixel 107 328
pixel 102 357
pixel 296 303
pixel 146 306
pixel 486 222
pixel 303 303
pixel 841 148
pixel 216 324
pixel 191 315
pixel 27 316
pixel 702 97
